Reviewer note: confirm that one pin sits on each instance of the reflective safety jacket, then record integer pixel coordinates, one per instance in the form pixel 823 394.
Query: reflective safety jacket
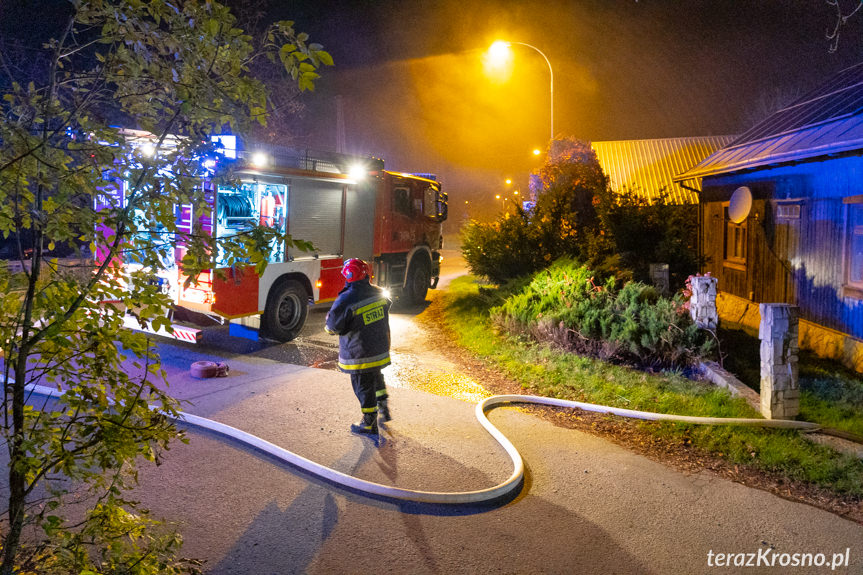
pixel 360 316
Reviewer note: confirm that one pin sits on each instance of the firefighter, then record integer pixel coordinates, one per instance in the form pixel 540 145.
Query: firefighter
pixel 360 317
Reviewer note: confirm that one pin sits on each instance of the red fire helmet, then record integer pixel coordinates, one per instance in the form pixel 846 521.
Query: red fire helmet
pixel 355 270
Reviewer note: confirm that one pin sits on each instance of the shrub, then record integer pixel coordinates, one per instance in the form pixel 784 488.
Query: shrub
pixel 634 324
pixel 503 249
pixel 641 231
pixel 563 222
pixel 578 216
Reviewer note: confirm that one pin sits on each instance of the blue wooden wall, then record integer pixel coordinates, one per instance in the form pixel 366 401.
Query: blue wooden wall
pixel 817 265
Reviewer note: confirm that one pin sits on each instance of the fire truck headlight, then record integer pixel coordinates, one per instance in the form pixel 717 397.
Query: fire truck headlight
pixel 357 172
pixel 260 159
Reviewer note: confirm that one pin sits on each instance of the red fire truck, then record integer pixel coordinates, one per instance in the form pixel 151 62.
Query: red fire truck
pixel 347 207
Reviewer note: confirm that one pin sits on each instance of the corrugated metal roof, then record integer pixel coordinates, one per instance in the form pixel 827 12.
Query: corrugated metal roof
pixel 645 167
pixel 826 121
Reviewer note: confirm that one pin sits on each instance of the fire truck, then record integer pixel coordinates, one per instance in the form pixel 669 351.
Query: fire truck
pixel 346 206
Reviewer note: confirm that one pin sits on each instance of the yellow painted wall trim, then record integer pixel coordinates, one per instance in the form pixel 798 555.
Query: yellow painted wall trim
pixel 821 340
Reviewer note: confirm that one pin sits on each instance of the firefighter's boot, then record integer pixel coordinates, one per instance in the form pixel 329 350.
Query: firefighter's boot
pixel 383 410
pixel 368 425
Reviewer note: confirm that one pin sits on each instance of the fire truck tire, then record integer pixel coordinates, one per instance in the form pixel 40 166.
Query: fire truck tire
pixel 417 284
pixel 286 311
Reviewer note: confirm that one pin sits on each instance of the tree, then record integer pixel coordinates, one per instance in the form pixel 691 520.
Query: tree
pixel 503 249
pixel 842 18
pixel 571 181
pixel 176 72
pixel 637 232
pixel 578 216
pixel 285 106
pixel 563 223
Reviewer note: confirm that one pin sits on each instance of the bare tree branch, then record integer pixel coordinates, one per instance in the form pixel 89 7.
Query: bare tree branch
pixel 841 20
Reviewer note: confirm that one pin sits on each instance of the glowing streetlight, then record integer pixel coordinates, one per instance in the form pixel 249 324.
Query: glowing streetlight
pixel 499 52
pixel 536 151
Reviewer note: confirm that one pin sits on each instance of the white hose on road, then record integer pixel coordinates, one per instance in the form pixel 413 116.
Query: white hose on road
pixel 457 497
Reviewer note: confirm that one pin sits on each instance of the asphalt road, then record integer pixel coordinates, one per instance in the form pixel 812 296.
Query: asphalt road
pixel 587 505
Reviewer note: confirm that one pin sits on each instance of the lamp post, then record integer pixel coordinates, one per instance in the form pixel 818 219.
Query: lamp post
pixel 498 51
pixel 509 190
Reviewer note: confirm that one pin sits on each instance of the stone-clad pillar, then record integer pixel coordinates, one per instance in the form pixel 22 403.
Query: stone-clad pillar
pixel 702 302
pixel 780 388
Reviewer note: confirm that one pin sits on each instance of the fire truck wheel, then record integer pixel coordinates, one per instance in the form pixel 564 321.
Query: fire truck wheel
pixel 417 285
pixel 286 310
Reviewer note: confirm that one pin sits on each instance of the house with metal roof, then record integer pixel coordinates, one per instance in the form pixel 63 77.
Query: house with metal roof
pixel 647 167
pixel 781 213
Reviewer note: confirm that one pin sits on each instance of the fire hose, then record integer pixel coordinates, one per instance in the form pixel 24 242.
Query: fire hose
pixel 499 491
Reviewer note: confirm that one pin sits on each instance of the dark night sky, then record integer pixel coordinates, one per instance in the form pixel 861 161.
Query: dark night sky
pixel 415 93
pixel 414 90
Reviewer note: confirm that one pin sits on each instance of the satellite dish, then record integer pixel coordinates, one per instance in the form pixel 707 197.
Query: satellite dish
pixel 739 205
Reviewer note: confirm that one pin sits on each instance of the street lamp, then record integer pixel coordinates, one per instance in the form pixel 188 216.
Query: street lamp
pixel 499 50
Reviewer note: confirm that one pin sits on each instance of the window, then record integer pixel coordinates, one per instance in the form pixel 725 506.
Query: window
pixel 854 261
pixel 402 201
pixel 787 211
pixel 735 241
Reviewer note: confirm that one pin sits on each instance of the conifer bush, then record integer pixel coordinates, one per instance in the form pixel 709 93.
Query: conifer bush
pixel 504 249
pixel 633 324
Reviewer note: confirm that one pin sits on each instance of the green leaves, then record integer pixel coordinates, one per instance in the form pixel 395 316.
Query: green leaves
pixel 301 61
pixel 72 183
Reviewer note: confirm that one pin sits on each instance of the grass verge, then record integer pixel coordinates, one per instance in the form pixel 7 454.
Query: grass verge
pixel 542 370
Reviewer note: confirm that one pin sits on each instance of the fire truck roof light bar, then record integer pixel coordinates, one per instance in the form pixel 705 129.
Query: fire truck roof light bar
pixel 307 160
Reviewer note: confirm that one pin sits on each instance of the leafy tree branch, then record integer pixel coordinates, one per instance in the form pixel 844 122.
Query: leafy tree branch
pixel 71 180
